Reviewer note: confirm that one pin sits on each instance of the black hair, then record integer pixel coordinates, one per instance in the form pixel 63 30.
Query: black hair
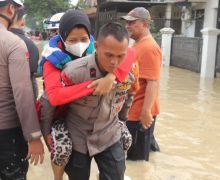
pixel 20 13
pixel 114 29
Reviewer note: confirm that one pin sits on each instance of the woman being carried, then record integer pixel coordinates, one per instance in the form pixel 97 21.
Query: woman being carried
pixel 73 42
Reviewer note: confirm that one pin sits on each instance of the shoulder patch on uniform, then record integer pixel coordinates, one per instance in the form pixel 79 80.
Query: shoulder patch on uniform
pixel 27 55
pixel 92 72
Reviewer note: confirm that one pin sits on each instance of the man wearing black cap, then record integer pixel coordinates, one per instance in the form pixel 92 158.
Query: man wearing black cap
pixel 145 106
pixel 18 117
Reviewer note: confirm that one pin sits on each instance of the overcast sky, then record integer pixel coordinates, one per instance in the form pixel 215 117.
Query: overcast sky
pixel 74 2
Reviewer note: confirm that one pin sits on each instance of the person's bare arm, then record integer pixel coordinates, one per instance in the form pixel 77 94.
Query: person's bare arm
pixel 151 93
pixel 35 151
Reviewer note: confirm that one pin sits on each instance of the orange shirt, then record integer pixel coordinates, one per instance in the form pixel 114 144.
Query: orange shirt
pixel 135 85
pixel 149 58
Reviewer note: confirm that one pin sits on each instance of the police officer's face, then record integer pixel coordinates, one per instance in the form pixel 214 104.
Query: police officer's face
pixel 110 53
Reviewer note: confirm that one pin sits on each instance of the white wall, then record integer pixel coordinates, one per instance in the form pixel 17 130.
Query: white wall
pixel 189 28
pixel 188 25
pixel 211 14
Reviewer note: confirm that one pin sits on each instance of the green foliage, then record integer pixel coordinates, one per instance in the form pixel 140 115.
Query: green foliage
pixel 154 30
pixel 38 10
pixel 81 5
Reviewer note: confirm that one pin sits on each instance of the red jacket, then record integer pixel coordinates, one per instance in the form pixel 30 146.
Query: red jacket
pixel 59 94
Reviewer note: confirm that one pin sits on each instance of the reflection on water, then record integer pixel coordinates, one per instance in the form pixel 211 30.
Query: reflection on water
pixel 188 131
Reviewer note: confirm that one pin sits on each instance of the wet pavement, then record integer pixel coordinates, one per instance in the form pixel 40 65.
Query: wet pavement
pixel 187 130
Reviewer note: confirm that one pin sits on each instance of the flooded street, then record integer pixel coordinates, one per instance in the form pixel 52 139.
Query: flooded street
pixel 187 130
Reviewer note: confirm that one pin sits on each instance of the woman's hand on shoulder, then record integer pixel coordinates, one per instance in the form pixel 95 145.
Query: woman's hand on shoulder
pixel 103 85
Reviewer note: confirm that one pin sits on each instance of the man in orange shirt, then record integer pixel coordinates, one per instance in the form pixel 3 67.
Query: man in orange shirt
pixel 145 107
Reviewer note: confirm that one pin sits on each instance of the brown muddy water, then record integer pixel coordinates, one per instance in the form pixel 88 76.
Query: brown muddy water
pixel 187 130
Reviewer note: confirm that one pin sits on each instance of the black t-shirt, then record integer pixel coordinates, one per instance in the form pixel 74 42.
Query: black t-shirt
pixel 32 49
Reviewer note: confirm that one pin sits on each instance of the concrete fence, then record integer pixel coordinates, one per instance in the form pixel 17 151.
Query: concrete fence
pixel 200 55
pixel 186 53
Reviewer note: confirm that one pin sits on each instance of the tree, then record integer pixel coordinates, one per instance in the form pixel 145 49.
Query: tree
pixel 38 10
pixel 81 4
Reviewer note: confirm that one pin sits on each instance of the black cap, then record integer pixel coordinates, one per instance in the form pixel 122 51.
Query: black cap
pixel 71 19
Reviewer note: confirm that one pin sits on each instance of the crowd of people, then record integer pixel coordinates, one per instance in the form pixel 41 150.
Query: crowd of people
pixel 38 35
pixel 100 97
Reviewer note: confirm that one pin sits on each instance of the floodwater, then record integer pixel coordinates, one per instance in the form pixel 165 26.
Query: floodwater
pixel 187 130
